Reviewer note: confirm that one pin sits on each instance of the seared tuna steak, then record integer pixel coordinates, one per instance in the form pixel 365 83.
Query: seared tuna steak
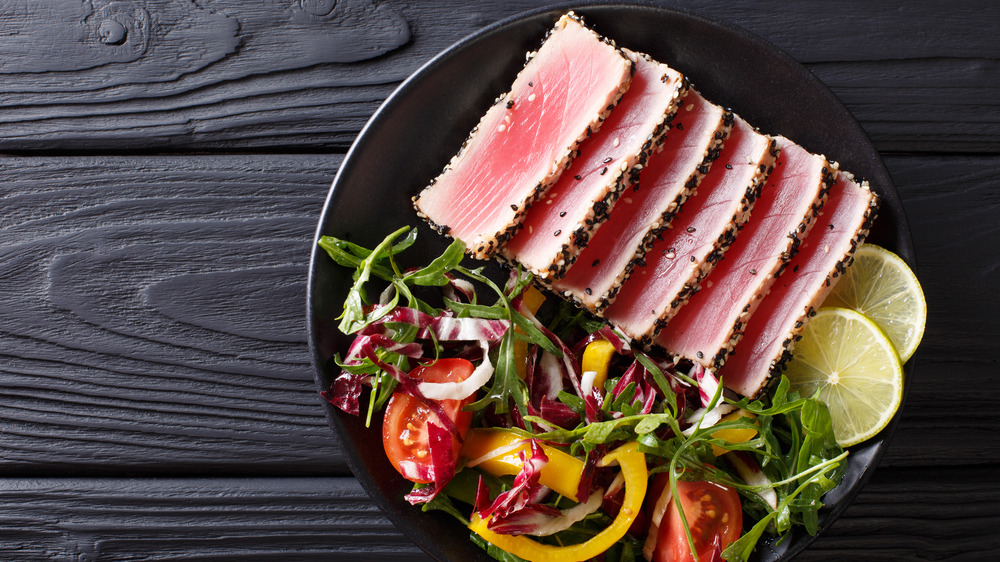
pixel 644 209
pixel 527 138
pixel 824 254
pixel 561 222
pixel 697 238
pixel 706 328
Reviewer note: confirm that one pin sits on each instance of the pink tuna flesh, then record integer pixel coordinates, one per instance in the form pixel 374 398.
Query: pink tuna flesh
pixel 525 140
pixel 692 144
pixel 773 330
pixel 706 328
pixel 697 237
pixel 561 221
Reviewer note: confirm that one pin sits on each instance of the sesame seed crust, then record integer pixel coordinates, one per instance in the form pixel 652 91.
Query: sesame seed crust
pixel 485 245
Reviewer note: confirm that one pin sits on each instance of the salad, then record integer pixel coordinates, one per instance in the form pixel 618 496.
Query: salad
pixel 550 436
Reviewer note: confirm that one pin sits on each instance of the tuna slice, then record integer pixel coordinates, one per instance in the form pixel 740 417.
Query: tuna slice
pixel 697 238
pixel 562 220
pixel 692 144
pixel 773 330
pixel 527 138
pixel 706 328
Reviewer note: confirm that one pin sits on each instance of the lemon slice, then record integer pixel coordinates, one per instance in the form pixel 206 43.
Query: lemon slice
pixel 848 362
pixel 881 286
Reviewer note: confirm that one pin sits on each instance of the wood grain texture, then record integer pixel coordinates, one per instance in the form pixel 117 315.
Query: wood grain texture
pixel 226 74
pixel 305 519
pixel 153 314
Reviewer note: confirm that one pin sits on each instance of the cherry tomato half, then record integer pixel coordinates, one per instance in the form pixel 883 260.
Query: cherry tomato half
pixel 713 513
pixel 404 430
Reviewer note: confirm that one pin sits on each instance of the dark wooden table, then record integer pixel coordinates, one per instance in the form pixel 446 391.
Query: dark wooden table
pixel 165 163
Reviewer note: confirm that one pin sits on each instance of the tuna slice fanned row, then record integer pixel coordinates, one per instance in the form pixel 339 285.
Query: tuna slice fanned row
pixel 693 142
pixel 669 216
pixel 774 328
pixel 697 238
pixel 562 220
pixel 782 217
pixel 527 138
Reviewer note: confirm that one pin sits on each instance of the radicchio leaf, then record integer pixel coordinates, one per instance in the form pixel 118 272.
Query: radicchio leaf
pixel 345 392
pixel 526 489
pixel 542 520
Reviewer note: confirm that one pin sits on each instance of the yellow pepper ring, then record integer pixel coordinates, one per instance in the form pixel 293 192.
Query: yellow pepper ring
pixel 561 473
pixel 633 466
pixel 733 435
pixel 597 357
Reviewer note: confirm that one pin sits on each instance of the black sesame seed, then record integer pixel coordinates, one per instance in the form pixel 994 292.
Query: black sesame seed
pixel 588 291
pixel 578 177
pixel 729 166
pixel 691 229
pixel 510 104
pixel 608 159
pixel 693 260
pixel 513 206
pixel 680 126
pixel 595 263
pixel 753 272
pixel 604 170
pixel 557 233
pixel 531 85
pixel 562 214
pixel 700 355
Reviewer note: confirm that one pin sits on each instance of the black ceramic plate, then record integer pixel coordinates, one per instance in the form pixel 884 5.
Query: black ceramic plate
pixel 424 122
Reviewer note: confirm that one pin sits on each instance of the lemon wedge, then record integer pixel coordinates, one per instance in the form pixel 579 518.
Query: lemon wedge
pixel 882 287
pixel 848 362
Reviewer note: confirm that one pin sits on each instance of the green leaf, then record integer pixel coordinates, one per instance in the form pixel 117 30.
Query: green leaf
pixel 433 275
pixel 353 318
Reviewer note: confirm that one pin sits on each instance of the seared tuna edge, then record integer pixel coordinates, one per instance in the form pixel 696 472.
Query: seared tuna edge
pixel 721 244
pixel 691 186
pixel 788 346
pixel 625 177
pixel 487 248
pixel 795 240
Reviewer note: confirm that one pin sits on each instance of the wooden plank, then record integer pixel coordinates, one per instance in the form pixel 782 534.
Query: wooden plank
pixel 948 513
pixel 195 519
pixel 288 76
pixel 152 315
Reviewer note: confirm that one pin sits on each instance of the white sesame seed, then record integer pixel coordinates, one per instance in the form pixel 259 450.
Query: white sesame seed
pixel 531 97
pixel 502 128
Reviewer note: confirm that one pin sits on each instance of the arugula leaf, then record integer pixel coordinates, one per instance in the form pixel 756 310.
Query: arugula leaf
pixel 353 317
pixel 433 275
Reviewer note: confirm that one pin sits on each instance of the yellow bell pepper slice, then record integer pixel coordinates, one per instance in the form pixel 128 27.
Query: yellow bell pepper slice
pixel 561 473
pixel 597 357
pixel 633 467
pixel 733 435
pixel 533 299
